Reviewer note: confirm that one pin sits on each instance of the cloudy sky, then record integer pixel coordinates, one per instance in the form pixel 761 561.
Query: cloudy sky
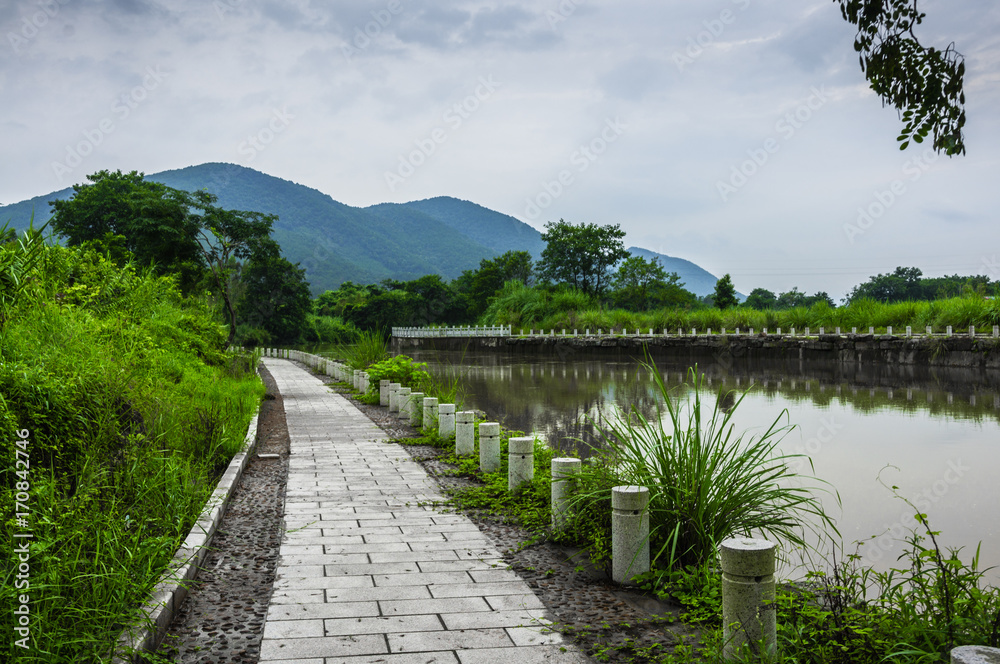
pixel 637 112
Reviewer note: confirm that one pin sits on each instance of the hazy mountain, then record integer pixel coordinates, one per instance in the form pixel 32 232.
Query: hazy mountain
pixel 336 242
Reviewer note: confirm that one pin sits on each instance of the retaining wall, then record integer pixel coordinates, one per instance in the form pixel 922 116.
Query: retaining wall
pixel 850 349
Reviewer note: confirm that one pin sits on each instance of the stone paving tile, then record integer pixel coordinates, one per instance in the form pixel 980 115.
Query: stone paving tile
pixel 530 655
pixel 442 657
pixel 369 571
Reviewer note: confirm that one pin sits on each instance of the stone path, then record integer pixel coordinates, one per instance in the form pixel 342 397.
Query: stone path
pixel 368 573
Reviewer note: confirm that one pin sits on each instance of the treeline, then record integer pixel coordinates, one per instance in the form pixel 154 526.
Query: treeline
pixel 586 278
pixel 584 273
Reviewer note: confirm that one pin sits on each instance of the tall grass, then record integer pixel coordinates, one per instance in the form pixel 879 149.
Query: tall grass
pixel 706 483
pixel 132 411
pixel 369 347
pixel 524 307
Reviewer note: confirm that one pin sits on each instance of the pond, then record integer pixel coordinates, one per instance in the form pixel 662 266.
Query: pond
pixel 935 434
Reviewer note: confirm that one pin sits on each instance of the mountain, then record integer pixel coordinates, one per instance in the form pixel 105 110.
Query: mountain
pixel 335 242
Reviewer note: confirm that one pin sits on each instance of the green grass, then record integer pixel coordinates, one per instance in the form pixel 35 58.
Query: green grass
pixel 528 308
pixel 132 411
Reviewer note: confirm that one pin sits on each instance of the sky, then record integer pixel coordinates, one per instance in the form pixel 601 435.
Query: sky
pixel 738 134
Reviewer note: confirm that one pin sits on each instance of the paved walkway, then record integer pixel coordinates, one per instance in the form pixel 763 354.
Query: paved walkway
pixel 369 574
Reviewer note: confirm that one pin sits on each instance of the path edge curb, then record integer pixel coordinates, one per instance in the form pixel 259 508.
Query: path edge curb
pixel 172 589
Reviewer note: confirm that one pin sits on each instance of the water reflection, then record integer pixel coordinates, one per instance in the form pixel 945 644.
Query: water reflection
pixel 940 427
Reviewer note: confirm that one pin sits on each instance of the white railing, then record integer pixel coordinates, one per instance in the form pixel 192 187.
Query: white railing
pixel 466 331
pixel 501 331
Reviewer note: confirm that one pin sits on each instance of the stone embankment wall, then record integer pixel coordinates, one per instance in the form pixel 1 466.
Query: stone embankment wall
pixel 953 351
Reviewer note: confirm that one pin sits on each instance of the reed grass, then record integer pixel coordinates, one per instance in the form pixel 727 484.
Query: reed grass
pixel 706 482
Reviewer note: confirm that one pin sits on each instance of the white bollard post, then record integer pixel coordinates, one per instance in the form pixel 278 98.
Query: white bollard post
pixel 948 330
pixel 394 397
pixel 430 418
pixel 446 420
pixel 465 432
pixel 888 330
pixel 416 413
pixel 747 596
pixel 403 402
pixel 383 392
pixel 629 532
pixel 520 461
pixel 909 331
pixel 489 446
pixel 564 470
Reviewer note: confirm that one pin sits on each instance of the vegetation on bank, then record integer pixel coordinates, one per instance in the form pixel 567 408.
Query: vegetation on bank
pixel 523 307
pixel 708 483
pixel 119 410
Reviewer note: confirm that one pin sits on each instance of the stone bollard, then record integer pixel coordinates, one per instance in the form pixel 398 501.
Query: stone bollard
pixel 747 596
pixel 383 392
pixel 465 432
pixel 446 420
pixel 394 397
pixel 416 412
pixel 520 461
pixel 430 412
pixel 975 655
pixel 629 532
pixel 489 446
pixel 564 470
pixel 403 402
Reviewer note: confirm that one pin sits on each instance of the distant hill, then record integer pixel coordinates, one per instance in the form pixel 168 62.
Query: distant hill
pixel 336 242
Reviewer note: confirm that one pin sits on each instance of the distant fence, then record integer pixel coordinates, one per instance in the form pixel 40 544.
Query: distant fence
pixel 467 331
pixel 478 331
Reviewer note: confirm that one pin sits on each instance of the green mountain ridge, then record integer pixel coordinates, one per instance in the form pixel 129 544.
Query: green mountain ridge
pixel 335 242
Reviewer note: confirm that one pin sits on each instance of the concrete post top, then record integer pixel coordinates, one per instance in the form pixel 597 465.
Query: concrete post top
pixel 430 401
pixel 489 429
pixel 384 383
pixel 416 396
pixel 394 386
pixel 465 416
pixel 745 556
pixel 629 498
pixel 563 466
pixel 447 409
pixel 404 390
pixel 521 445
pixel 975 655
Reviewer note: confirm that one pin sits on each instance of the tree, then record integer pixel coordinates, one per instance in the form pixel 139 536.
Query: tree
pixel 725 293
pixel 923 84
pixel 275 296
pixel 902 284
pixel 761 298
pixel 482 284
pixel 582 255
pixel 229 236
pixel 152 218
pixel 642 284
pixel 791 299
